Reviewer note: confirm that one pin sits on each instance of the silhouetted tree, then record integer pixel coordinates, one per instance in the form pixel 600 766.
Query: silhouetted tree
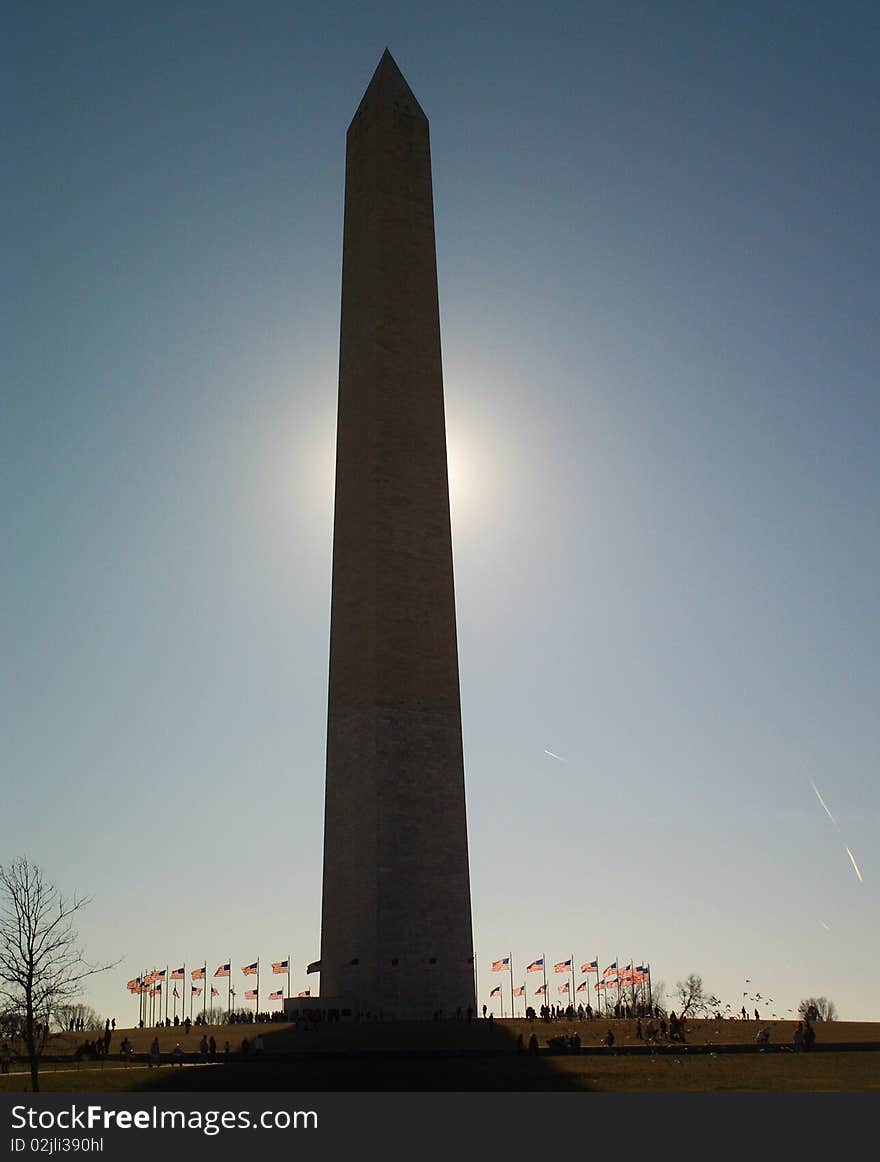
pixel 41 966
pixel 79 1014
pixel 692 999
pixel 818 1009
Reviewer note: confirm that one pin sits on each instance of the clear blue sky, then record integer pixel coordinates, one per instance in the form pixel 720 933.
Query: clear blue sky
pixel 658 254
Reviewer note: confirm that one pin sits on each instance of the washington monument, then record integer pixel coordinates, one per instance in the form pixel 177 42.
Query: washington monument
pixel 396 935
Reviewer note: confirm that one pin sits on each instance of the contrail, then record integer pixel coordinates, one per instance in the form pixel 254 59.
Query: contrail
pixel 824 804
pixel 855 865
pixel 554 756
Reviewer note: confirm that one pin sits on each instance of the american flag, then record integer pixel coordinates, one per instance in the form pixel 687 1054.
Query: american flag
pixel 276 996
pixel 176 993
pixel 563 988
pixel 611 970
pixel 305 993
pixel 159 975
pixel 215 992
pixel 582 987
pixel 281 966
pixel 223 970
pixel 496 991
pixel 520 992
pixel 133 985
pixel 251 969
pixel 250 995
pixel 196 990
pixel 179 973
pixel 562 966
pixel 501 965
pixel 315 966
pixel 541 990
pixel 590 966
pixel 198 974
pixel 536 966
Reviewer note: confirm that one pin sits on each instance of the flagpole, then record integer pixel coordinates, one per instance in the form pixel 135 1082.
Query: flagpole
pixel 257 1013
pixel 571 998
pixel 632 982
pixel 510 958
pixel 288 975
pixel 544 966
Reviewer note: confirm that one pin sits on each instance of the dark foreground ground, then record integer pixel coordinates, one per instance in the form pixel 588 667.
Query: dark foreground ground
pixel 482 1057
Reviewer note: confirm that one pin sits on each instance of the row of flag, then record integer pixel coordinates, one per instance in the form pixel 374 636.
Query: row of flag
pixel 157 976
pixel 613 976
pixel 197 990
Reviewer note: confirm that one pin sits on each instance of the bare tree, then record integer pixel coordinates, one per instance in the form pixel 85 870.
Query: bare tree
pixel 41 965
pixel 818 1009
pixel 693 1000
pixel 78 1016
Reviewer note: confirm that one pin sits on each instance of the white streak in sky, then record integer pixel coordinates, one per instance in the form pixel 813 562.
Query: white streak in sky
pixel 855 865
pixel 822 801
pixel 825 926
pixel 554 756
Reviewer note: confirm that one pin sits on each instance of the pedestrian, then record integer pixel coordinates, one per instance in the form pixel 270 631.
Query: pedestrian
pixel 155 1053
pixel 797 1039
pixel 609 1039
pixel 639 1029
pixel 533 1045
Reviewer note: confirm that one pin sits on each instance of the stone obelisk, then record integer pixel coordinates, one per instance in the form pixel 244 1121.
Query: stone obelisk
pixel 396 935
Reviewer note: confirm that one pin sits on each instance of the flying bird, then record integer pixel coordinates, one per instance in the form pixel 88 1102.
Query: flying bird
pixel 558 757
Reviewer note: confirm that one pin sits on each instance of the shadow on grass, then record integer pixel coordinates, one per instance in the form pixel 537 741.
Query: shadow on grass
pixel 374 1057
